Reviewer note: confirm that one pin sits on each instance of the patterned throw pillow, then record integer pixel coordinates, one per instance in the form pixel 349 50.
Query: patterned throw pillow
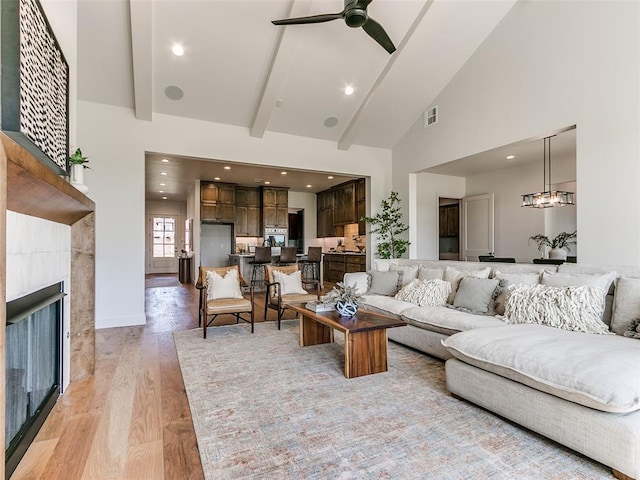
pixel 425 293
pixel 578 309
pixel 223 287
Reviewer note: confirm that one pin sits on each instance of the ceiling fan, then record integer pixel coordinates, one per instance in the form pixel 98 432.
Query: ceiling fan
pixel 354 15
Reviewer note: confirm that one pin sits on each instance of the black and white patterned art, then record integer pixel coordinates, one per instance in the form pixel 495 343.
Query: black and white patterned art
pixel 35 83
pixel 44 77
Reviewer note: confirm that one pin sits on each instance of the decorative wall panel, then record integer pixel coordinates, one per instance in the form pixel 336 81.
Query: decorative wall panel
pixel 35 83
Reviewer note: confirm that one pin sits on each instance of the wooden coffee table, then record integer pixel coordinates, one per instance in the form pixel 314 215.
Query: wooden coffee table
pixel 365 337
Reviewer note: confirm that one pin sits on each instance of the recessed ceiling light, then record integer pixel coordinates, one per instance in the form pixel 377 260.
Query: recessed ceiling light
pixel 164 198
pixel 177 50
pixel 511 157
pixel 217 178
pixel 330 177
pixel 227 167
pixel 163 184
pixel 164 160
pixel 160 191
pixel 283 173
pixel 267 183
pixel 308 186
pixel 348 90
pixel 163 173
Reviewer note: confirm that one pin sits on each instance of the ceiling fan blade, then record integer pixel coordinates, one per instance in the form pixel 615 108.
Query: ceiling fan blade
pixel 375 31
pixel 312 19
pixel 363 3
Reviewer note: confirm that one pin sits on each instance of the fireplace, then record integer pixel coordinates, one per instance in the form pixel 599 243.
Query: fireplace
pixel 33 367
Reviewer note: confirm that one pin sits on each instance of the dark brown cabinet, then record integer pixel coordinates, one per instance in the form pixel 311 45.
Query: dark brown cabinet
pixel 339 206
pixel 248 217
pixel 217 202
pixel 275 207
pixel 449 220
pixel 335 265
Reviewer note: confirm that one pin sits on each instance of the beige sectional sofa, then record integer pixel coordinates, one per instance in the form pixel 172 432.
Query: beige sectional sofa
pixel 579 389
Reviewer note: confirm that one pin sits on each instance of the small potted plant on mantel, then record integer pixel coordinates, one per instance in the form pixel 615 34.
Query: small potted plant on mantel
pixel 560 244
pixel 78 163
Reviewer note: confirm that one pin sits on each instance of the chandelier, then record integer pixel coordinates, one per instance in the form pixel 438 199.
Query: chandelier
pixel 548 197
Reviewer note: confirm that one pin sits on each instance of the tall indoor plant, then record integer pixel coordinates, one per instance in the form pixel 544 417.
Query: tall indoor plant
pixel 387 223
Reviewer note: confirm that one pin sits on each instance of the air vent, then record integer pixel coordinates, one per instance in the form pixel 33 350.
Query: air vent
pixel 431 117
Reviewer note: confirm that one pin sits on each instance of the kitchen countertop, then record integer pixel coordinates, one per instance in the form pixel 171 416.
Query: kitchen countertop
pixel 362 254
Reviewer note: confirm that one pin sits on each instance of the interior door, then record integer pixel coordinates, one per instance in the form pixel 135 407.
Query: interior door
pixel 477 226
pixel 162 244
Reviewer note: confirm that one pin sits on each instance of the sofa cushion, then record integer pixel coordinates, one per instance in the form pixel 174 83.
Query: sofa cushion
pixel 476 294
pixel 382 303
pixel 383 283
pixel 453 276
pixel 570 308
pixel 359 280
pixel 602 281
pixel 626 304
pixel 407 273
pixel 425 292
pixel 525 278
pixel 447 320
pixel 426 273
pixel 597 371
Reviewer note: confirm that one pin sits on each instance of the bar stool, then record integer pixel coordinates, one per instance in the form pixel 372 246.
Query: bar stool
pixel 288 256
pixel 262 257
pixel 314 257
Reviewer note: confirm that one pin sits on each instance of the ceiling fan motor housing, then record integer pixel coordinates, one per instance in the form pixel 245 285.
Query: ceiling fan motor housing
pixel 356 17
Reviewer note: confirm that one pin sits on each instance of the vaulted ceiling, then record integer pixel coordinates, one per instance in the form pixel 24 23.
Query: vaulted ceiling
pixel 239 69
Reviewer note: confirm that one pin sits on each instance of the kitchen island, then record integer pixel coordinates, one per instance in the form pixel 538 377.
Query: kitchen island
pixel 336 264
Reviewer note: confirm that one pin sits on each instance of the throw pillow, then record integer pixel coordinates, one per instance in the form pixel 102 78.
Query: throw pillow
pixel 223 287
pixel 476 294
pixel 633 330
pixel 384 283
pixel 289 284
pixel 602 281
pixel 426 273
pixel 570 308
pixel 453 276
pixel 425 293
pixel 359 280
pixel 626 304
pixel 525 278
pixel 407 273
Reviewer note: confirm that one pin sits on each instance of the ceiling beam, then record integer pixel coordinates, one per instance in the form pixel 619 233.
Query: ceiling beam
pixel 350 132
pixel 281 62
pixel 141 52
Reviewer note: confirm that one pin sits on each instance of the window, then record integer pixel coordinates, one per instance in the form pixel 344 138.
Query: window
pixel 164 237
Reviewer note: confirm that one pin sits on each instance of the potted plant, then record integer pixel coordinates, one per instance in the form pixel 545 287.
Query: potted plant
pixel 345 297
pixel 559 245
pixel 388 225
pixel 78 163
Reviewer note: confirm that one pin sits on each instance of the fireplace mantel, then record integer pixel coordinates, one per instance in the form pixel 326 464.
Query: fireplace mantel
pixel 33 189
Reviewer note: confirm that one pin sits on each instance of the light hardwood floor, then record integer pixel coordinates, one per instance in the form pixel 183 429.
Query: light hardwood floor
pixel 131 420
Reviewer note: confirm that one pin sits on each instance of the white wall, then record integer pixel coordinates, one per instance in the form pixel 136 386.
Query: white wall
pixel 427 188
pixel 39 255
pixel 549 65
pixel 116 142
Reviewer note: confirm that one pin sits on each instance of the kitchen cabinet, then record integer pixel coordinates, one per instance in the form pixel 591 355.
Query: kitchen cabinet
pixel 248 214
pixel 339 206
pixel 344 204
pixel 361 205
pixel 449 220
pixel 335 265
pixel 275 207
pixel 218 202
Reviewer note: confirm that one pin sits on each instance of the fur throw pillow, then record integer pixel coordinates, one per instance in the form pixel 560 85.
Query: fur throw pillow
pixel 425 293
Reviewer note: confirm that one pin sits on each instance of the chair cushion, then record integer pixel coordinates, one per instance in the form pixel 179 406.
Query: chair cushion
pixel 296 297
pixel 597 371
pixel 223 286
pixel 228 305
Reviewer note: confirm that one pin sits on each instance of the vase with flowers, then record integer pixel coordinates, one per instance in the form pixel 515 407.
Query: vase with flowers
pixel 346 299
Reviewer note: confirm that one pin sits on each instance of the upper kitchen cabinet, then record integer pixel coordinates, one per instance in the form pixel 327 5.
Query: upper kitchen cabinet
pixel 248 218
pixel 341 205
pixel 217 202
pixel 361 205
pixel 275 207
pixel 344 203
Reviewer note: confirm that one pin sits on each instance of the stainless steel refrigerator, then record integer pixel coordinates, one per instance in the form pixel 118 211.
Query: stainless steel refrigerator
pixel 216 243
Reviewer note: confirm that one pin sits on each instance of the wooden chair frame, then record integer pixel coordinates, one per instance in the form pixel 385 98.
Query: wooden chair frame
pixel 201 285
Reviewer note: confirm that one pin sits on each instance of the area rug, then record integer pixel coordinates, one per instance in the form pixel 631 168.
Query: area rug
pixel 263 407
